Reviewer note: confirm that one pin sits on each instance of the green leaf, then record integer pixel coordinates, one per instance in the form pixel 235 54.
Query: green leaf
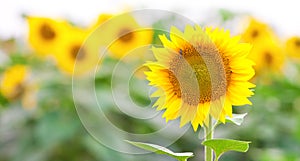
pixel 237 119
pixel 226 14
pixel 18 58
pixel 221 146
pixel 162 150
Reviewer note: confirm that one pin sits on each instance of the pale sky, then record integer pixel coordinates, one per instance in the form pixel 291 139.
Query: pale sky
pixel 281 14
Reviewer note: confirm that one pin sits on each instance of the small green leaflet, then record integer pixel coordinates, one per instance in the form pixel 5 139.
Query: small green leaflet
pixel 221 146
pixel 162 150
pixel 226 14
pixel 237 119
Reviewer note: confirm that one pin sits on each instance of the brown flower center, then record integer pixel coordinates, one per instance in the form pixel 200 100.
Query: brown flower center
pixel 77 52
pixel 268 58
pixel 126 35
pixel 47 32
pixel 199 74
pixel 297 43
pixel 254 33
pixel 18 92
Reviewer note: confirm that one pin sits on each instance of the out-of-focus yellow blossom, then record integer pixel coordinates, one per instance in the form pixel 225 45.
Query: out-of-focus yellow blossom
pixel 293 47
pixel 267 51
pixel 72 50
pixel 14 85
pixel 126 35
pixel 12 82
pixel 98 34
pixel 101 19
pixel 268 56
pixel 256 31
pixel 45 33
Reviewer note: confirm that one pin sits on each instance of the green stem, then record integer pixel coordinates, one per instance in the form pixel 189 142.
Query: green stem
pixel 208 134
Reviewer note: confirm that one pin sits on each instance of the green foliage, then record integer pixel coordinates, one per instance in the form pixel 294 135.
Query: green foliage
pixel 226 14
pixel 159 28
pixel 18 59
pixel 162 150
pixel 237 119
pixel 3 101
pixel 221 146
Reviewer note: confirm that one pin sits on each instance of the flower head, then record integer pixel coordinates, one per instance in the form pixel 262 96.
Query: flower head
pixel 200 73
pixel 12 82
pixel 15 86
pixel 268 56
pixel 293 47
pixel 267 51
pixel 45 33
pixel 73 50
pixel 102 18
pixel 127 35
pixel 256 31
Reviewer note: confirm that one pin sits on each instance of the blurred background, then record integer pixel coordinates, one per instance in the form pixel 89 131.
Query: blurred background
pixel 43 118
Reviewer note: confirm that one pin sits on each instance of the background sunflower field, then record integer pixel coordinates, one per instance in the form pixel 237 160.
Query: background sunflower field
pixel 47 47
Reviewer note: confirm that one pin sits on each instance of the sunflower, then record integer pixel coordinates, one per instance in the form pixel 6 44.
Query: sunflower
pixel 12 83
pixel 14 86
pixel 45 33
pixel 293 47
pixel 72 50
pixel 102 18
pixel 256 31
pixel 200 73
pixel 126 35
pixel 267 51
pixel 268 56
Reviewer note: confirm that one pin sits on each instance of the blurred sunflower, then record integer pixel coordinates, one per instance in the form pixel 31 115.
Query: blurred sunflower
pixel 72 50
pixel 256 31
pixel 101 19
pixel 268 56
pixel 45 33
pixel 200 73
pixel 14 86
pixel 293 47
pixel 267 51
pixel 126 35
pixel 99 35
pixel 12 83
